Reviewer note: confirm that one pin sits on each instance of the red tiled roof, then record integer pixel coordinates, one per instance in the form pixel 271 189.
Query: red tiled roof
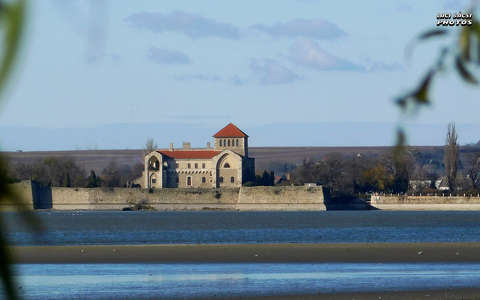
pixel 189 154
pixel 230 131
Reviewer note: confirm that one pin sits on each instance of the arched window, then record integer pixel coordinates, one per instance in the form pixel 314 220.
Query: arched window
pixel 221 143
pixel 228 143
pixel 153 164
pixel 232 179
pixel 220 179
pixel 236 142
pixel 226 165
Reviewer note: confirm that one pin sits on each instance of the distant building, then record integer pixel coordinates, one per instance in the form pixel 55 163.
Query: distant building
pixel 225 165
pixel 418 185
pixel 442 184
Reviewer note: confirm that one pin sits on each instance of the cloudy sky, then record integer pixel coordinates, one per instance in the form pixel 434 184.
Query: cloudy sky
pixel 206 63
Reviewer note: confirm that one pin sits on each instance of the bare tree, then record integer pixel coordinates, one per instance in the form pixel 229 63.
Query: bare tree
pixel 150 145
pixel 473 170
pixel 451 156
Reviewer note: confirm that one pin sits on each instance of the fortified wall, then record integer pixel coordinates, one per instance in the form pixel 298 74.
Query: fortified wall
pixel 425 202
pixel 243 198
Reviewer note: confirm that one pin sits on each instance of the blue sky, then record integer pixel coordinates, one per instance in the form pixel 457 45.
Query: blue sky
pixel 206 63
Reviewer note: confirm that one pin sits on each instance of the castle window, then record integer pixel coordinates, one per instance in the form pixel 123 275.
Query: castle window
pixel 189 181
pixel 204 180
pixel 232 179
pixel 236 142
pixel 220 179
pixel 203 166
pixel 196 166
pixel 228 143
pixel 176 165
pixel 224 143
pixel 154 180
pixel 188 166
pixel 153 164
pixel 226 165
pixel 221 144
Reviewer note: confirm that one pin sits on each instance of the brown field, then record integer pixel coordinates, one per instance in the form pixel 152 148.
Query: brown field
pixel 265 156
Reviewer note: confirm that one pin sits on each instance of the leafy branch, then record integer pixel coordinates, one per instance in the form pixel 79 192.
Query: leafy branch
pixel 465 51
pixel 12 21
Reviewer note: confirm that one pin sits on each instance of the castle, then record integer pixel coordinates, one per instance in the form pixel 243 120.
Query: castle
pixel 225 165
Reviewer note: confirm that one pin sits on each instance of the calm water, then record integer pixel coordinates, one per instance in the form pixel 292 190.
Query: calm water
pixel 66 228
pixel 184 281
pixel 167 281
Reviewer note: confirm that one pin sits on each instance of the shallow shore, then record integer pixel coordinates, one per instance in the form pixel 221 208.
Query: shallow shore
pixel 250 253
pixel 446 294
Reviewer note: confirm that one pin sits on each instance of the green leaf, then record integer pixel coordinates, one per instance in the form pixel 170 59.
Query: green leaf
pixel 401 138
pixel 464 72
pixel 421 94
pixel 464 43
pixel 475 29
pixel 13 15
pixel 437 32
pixel 432 33
pixel 402 102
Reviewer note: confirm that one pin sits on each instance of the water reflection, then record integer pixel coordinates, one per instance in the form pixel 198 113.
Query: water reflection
pixel 135 281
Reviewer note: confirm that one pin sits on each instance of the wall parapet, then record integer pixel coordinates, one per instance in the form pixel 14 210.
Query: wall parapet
pixel 425 202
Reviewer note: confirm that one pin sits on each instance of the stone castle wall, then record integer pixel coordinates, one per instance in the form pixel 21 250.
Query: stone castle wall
pixel 23 191
pixel 281 198
pixel 243 198
pixel 409 202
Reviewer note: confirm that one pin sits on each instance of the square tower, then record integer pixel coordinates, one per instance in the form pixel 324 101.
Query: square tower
pixel 231 138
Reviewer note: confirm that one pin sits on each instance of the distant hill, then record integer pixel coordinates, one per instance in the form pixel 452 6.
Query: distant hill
pixel 134 136
pixel 266 157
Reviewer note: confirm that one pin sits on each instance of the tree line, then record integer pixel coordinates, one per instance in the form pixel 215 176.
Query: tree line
pixel 345 176
pixel 65 172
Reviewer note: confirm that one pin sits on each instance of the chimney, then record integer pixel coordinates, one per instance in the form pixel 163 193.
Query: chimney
pixel 209 145
pixel 171 147
pixel 186 145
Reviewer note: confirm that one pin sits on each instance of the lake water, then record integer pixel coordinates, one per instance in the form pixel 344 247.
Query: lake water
pixel 90 227
pixel 184 281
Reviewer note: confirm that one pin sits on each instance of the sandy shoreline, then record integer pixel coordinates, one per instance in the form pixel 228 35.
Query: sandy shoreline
pixel 445 294
pixel 245 253
pixel 273 253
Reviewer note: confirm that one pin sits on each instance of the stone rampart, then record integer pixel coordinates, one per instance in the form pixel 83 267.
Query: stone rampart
pixel 425 202
pixel 281 198
pixel 244 198
pixel 164 199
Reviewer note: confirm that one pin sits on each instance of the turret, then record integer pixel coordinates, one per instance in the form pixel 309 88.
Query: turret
pixel 232 138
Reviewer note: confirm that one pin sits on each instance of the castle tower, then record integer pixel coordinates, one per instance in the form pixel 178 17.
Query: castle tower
pixel 232 138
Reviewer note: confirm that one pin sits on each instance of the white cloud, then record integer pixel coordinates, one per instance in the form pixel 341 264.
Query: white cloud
pixel 165 56
pixel 372 66
pixel 312 28
pixel 270 71
pixel 203 77
pixel 191 25
pixel 308 53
